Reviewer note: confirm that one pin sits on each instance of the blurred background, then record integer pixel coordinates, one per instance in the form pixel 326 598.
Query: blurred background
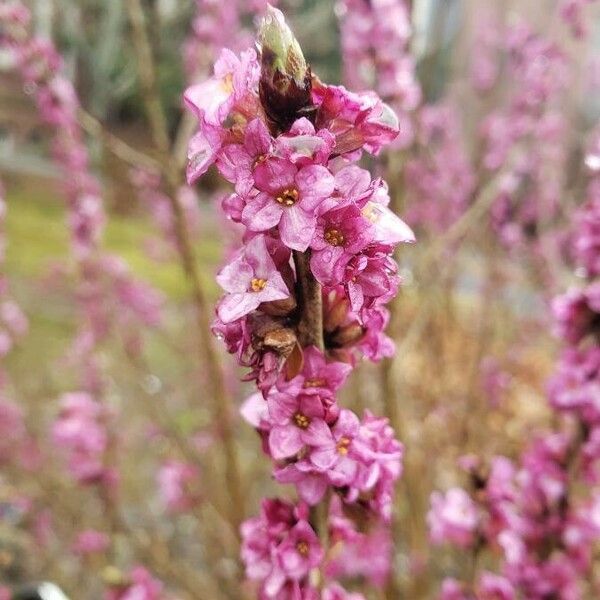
pixel 498 103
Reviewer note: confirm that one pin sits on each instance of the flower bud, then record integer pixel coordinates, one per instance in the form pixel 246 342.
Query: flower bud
pixel 348 335
pixel 285 79
pixel 279 308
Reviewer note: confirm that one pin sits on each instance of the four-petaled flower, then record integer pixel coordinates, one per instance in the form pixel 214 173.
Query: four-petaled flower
pixel 289 197
pixel 250 279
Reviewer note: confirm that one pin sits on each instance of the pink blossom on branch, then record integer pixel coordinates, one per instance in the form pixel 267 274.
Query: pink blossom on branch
pixel 312 219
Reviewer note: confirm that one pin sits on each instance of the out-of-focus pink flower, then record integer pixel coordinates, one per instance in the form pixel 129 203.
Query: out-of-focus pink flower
pixel 79 430
pixel 177 484
pixel 250 279
pixel 90 541
pixel 141 586
pixel 452 518
pixel 577 312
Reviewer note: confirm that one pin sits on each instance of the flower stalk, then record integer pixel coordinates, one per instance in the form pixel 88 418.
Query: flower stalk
pixel 304 299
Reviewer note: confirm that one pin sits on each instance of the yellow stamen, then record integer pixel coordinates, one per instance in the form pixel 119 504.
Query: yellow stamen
pixel 302 548
pixel 343 445
pixel 287 197
pixel 301 420
pixel 257 284
pixel 334 237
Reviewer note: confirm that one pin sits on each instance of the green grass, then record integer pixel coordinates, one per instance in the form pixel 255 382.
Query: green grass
pixel 37 233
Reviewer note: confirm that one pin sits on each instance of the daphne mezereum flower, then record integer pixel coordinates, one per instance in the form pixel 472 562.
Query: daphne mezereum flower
pixel 289 198
pixel 341 234
pixel 249 280
pixel 314 224
pixel 237 162
pixel 320 376
pixel 213 101
pixel 452 517
pixel 577 313
pixel 335 591
pixel 90 541
pixel 279 548
pixel 586 245
pixel 298 420
pixel 334 450
pixel 139 584
pixel 79 430
pixel 176 482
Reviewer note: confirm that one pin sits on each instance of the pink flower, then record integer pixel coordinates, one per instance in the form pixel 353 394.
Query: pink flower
pixel 91 541
pixel 289 198
pixel 452 518
pixel 176 481
pixel 319 375
pixel 379 457
pixel 237 162
pixel 80 431
pixel 576 384
pixel 212 102
pixel 334 451
pixel 340 235
pixel 356 120
pixel 577 312
pixel 142 586
pixel 279 548
pixel 334 591
pixel 250 279
pixel 311 484
pixel 453 590
pixel 298 420
pixel 300 551
pixel 304 146
pixel 365 554
pixel 494 587
pixel 371 277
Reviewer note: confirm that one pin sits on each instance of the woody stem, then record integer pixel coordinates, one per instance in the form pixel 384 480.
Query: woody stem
pixel 310 303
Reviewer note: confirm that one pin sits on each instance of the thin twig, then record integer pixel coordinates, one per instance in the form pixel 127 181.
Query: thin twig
pixel 116 145
pixel 222 404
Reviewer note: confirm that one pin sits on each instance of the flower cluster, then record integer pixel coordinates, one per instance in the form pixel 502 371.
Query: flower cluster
pixel 305 295
pixel 525 139
pixel 139 584
pixel 178 483
pixel 375 37
pixel 439 178
pixel 106 288
pixel 543 512
pixel 80 431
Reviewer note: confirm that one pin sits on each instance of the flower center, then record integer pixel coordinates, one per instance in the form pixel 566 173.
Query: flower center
pixel 343 445
pixel 259 159
pixel 334 237
pixel 301 420
pixel 287 197
pixel 257 284
pixel 314 383
pixel 302 548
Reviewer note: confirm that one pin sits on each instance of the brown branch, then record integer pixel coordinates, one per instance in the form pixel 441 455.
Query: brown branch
pixel 116 145
pixel 222 404
pixel 310 302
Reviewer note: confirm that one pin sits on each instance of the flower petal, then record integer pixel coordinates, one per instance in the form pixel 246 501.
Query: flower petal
pixel 297 228
pixel 285 441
